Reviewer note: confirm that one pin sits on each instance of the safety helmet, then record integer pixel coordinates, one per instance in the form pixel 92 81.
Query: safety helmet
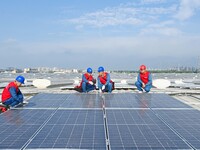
pixel 89 70
pixel 100 69
pixel 20 79
pixel 143 67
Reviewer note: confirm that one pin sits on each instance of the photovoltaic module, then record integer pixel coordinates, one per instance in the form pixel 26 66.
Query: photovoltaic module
pixel 107 121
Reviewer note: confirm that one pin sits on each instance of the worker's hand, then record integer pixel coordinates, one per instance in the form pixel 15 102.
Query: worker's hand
pixel 103 87
pixel 143 85
pixel 90 82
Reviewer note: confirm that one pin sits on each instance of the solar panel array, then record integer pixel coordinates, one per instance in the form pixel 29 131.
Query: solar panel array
pixel 108 121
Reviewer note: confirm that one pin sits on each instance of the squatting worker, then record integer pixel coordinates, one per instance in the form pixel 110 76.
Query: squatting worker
pixel 11 95
pixel 144 80
pixel 105 84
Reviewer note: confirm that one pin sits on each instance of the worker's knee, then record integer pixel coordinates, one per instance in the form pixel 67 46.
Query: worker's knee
pixel 138 84
pixel 147 88
pixel 83 84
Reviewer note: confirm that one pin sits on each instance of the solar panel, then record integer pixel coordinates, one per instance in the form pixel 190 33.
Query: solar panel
pixel 138 129
pixel 82 101
pixel 185 122
pixel 70 136
pixel 80 129
pixel 78 121
pixel 15 136
pixel 18 126
pixel 145 100
pixel 64 101
pixel 126 100
pixel 24 116
pixel 121 101
pixel 160 101
pixel 47 100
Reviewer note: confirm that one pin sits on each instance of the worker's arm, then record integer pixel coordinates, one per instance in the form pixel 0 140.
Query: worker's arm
pixel 139 79
pixel 99 83
pixel 150 80
pixel 108 79
pixel 84 79
pixel 15 95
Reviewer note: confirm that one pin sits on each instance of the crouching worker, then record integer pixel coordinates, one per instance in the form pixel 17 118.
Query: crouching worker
pixel 11 95
pixel 105 84
pixel 144 80
pixel 88 82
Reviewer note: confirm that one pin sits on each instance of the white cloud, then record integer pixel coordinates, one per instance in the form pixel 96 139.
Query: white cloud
pixel 127 14
pixel 187 9
pixel 131 50
pixel 167 31
pixel 108 17
pixel 152 1
pixel 146 16
pixel 162 28
pixel 162 24
pixel 120 46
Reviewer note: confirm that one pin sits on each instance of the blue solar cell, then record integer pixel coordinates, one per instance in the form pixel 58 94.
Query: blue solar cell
pixel 15 136
pixel 25 116
pixel 79 129
pixel 18 126
pixel 146 132
pixel 145 100
pixel 126 100
pixel 185 122
pixel 47 100
pixel 77 117
pixel 159 101
pixel 82 101
pixel 121 101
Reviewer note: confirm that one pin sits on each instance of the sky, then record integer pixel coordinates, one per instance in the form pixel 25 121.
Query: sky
pixel 116 34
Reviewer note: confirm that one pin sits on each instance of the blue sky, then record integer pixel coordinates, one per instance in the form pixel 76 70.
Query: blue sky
pixel 116 34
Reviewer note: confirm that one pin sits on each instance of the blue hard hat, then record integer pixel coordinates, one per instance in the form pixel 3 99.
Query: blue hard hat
pixel 100 69
pixel 20 79
pixel 89 70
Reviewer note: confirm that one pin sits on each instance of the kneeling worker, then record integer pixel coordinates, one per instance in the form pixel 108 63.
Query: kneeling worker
pixel 88 82
pixel 11 95
pixel 105 84
pixel 144 80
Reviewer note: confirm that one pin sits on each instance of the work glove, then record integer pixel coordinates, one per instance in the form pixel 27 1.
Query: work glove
pixel 103 87
pixel 90 82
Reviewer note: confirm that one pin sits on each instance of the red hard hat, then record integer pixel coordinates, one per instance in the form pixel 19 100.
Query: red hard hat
pixel 143 67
